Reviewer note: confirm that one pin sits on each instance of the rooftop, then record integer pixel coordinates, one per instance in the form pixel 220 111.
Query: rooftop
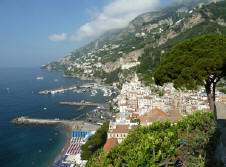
pixel 121 129
pixel 156 112
pixel 109 144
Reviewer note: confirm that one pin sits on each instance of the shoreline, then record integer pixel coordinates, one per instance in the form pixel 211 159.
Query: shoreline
pixel 80 118
pixel 68 128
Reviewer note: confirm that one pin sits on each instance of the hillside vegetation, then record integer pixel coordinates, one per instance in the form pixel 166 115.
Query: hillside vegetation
pixel 213 15
pixel 95 142
pixel 155 32
pixel 191 140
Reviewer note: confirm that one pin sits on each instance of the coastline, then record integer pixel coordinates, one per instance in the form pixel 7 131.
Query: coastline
pixel 81 118
pixel 86 126
pixel 32 105
pixel 68 131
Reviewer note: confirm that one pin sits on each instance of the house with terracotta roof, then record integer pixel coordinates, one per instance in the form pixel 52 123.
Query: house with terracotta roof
pixel 158 115
pixel 152 116
pixel 116 134
pixel 119 132
pixel 111 142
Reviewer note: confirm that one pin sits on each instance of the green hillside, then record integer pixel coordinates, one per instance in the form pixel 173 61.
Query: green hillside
pixel 150 60
pixel 155 32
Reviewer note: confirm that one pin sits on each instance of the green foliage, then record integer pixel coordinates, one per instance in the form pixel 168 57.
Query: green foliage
pixel 193 61
pixel 150 60
pixel 95 142
pixel 112 76
pixel 149 146
pixel 201 143
pixel 218 10
pixel 220 85
pixel 157 91
pixel 146 79
pixel 223 90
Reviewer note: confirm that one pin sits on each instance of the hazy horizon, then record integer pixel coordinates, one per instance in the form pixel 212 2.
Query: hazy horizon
pixel 34 33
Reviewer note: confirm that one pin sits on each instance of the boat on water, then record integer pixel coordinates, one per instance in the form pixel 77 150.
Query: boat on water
pixel 93 92
pixel 8 89
pixel 39 78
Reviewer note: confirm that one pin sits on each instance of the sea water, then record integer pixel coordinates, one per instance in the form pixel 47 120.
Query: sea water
pixel 33 145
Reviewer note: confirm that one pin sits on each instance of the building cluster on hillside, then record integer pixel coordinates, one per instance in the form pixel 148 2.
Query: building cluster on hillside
pixel 142 34
pixel 92 60
pixel 139 105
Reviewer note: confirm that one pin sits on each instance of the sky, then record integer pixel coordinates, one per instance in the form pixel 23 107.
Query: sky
pixel 36 32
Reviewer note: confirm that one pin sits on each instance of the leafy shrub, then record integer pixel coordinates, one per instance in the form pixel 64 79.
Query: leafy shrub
pixel 95 142
pixel 155 144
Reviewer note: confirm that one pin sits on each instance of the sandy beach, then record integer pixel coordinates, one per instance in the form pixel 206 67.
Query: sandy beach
pixel 81 125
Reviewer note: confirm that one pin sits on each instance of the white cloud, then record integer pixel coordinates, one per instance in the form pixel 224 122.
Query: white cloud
pixel 58 37
pixel 117 14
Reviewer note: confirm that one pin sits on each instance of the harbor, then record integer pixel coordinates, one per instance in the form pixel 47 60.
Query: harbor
pixel 81 104
pixel 93 88
pixel 53 134
pixel 27 120
pixel 80 133
pixel 86 108
pixel 54 91
pixel 81 125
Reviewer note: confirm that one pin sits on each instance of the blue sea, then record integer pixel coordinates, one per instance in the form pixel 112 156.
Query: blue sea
pixel 33 145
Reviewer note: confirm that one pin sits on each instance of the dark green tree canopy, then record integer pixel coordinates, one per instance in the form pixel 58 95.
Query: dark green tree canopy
pixel 194 62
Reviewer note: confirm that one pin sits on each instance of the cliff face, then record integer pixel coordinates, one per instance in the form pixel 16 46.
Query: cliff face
pixel 126 48
pixel 125 62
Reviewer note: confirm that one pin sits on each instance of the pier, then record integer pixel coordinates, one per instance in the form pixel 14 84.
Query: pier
pixel 80 104
pixel 59 90
pixel 27 120
pixel 79 125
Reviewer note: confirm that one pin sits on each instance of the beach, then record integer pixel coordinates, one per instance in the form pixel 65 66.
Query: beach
pixel 74 125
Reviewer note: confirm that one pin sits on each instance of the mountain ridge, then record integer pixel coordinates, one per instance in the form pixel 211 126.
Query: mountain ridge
pixel 148 31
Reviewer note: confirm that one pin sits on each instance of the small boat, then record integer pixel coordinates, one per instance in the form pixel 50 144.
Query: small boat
pixel 39 78
pixel 56 80
pixel 44 108
pixel 8 89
